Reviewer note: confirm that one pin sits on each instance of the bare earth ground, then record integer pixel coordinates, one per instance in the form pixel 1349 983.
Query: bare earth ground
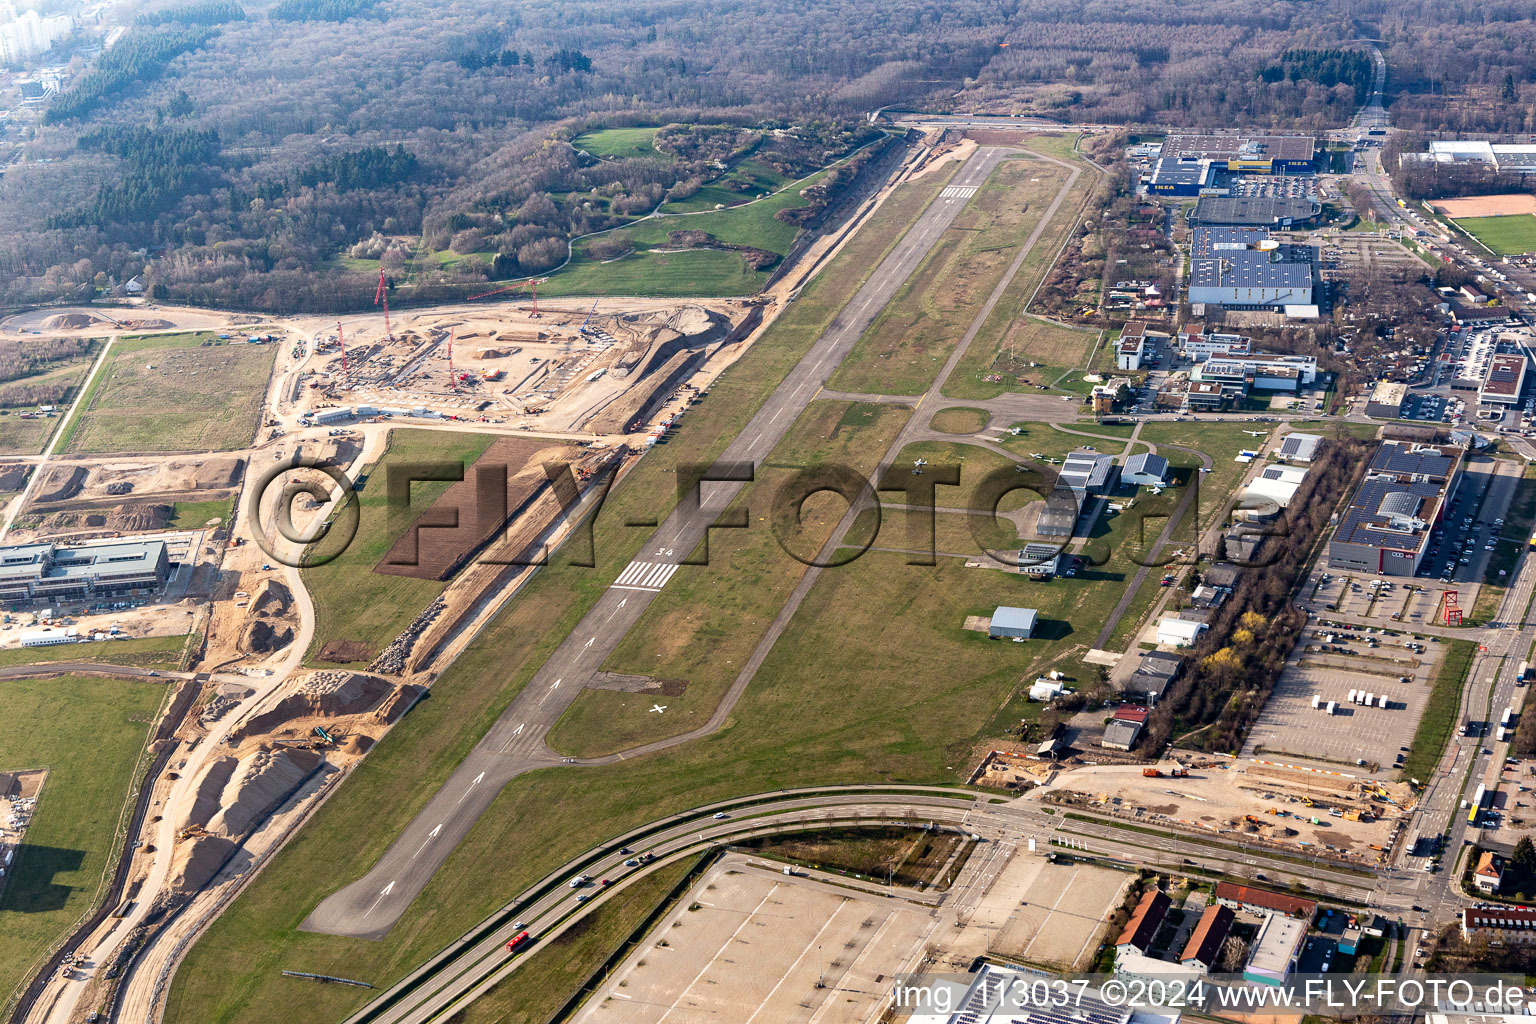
pixel 1486 206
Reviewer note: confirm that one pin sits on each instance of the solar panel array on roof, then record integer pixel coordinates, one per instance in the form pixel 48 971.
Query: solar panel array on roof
pixel 1399 503
pixel 1302 447
pixel 1404 461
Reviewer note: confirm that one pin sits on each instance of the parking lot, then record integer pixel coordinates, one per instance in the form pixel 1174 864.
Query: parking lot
pixel 750 944
pixel 1290 725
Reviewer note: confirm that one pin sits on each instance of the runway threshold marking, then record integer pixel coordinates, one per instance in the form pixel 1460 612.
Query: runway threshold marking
pixel 959 192
pixel 645 576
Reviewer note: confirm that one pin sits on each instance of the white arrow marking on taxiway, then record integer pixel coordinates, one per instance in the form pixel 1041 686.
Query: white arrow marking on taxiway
pixel 472 785
pixel 376 902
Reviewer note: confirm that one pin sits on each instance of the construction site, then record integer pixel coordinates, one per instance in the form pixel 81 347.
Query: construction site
pixel 1330 814
pixel 555 369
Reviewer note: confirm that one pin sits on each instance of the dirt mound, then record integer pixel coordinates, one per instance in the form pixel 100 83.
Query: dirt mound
pixel 397 703
pixel 345 652
pixel 13 478
pixel 357 745
pixel 272 597
pixel 262 636
pixel 120 488
pixel 60 483
pixel 71 322
pixel 494 353
pixel 196 860
pixel 217 474
pixel 260 782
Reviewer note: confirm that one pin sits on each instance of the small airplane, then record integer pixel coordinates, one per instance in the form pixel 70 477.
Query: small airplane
pixel 1036 455
pixel 1256 433
pixel 917 466
pixel 658 708
pixel 1016 431
pixel 1157 490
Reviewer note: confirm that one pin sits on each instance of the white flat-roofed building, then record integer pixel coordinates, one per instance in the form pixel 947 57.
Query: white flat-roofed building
pixel 1262 370
pixel 1275 483
pixel 1173 631
pixel 1272 956
pixel 1505 378
pixel 1300 447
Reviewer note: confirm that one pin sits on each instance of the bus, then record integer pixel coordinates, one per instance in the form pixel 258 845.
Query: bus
pixel 1476 809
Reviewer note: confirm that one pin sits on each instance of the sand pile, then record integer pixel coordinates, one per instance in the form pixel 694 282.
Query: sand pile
pixel 71 322
pixel 323 694
pixel 195 861
pixel 217 474
pixel 259 783
pixel 272 597
pixel 343 693
pixel 397 703
pixel 494 353
pixel 205 799
pixel 357 745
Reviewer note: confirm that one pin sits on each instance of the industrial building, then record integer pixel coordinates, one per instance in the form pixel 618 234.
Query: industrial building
pixel 1300 447
pixel 1145 469
pixel 1243 268
pixel 1042 560
pixel 1386 526
pixel 1058 516
pixel 1203 948
pixel 1505 378
pixel 1245 154
pixel 993 996
pixel 1264 371
pixel 1196 344
pixel 1272 955
pixel 1173 631
pixel 1122 733
pixel 1087 472
pixel 48 572
pixel 1497 156
pixel 1181 178
pixel 1154 672
pixel 1012 623
pixel 1255 211
pixel 1386 401
pixel 1275 483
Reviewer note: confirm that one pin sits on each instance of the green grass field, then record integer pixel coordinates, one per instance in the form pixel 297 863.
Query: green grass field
pixel 232 974
pixel 709 612
pixel 903 350
pixel 354 603
pixel 193 514
pixel 172 393
pixel 1513 235
pixel 89 734
pixel 1221 441
pixel 1441 713
pixel 618 142
pixel 30 436
pixel 140 652
pixel 696 272
pixel 959 420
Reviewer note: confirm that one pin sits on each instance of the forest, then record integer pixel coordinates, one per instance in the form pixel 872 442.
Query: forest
pixel 274 154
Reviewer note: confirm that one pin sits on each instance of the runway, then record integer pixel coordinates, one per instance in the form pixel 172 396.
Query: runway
pixel 369 907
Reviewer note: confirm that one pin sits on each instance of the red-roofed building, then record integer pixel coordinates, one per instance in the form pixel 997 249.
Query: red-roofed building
pixel 1260 901
pixel 1145 920
pixel 1126 713
pixel 1512 925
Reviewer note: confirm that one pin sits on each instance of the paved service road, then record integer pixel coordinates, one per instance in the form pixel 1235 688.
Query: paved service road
pixel 515 744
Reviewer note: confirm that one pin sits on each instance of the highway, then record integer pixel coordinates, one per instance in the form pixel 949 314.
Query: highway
pixel 515 744
pixel 464 970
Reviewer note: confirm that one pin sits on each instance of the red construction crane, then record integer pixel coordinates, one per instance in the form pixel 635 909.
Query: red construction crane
pixel 494 291
pixel 452 381
pixel 533 286
pixel 381 295
pixel 343 343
